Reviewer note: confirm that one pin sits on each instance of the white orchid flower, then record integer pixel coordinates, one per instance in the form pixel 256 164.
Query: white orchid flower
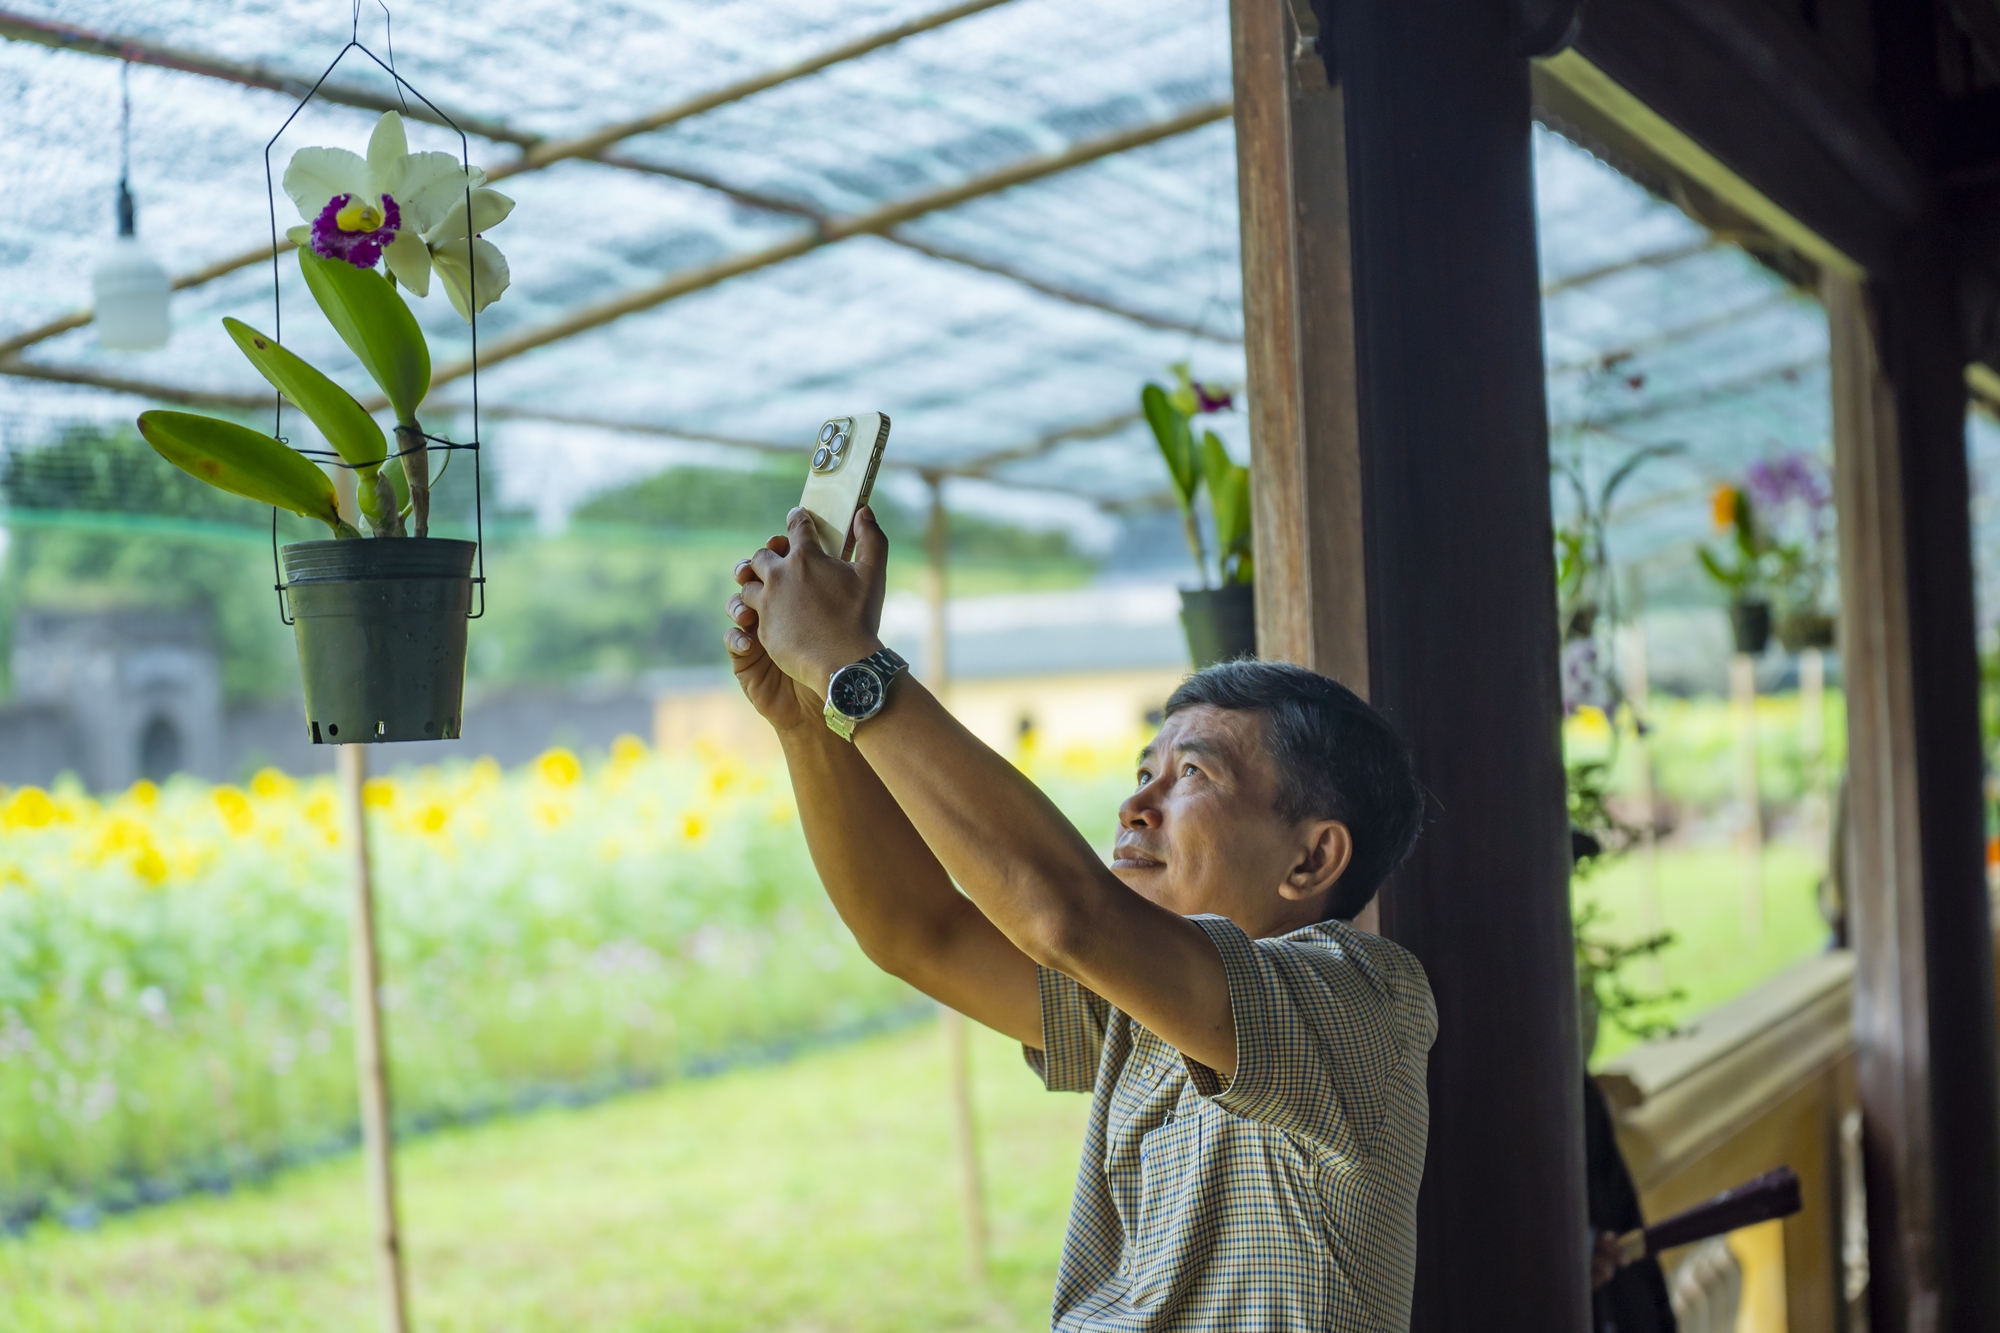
pixel 407 209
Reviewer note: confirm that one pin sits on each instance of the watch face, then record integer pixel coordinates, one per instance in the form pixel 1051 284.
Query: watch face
pixel 856 691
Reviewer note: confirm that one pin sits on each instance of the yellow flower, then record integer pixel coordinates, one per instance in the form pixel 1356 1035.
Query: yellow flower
pixel 150 866
pixel 378 793
pixel 628 750
pixel 29 807
pixel 432 818
pixel 559 767
pixel 1591 724
pixel 144 792
pixel 271 784
pixel 485 771
pixel 234 807
pixel 1722 507
pixel 322 811
pixel 692 827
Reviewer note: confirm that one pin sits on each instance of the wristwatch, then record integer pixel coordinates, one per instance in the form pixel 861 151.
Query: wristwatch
pixel 857 692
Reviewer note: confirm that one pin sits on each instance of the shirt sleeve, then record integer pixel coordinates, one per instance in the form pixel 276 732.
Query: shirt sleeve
pixel 1318 1031
pixel 1074 1021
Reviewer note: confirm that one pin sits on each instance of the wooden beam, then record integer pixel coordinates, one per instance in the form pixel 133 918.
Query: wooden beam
pixel 1404 205
pixel 1298 317
pixel 1919 915
pixel 1718 85
pixel 875 222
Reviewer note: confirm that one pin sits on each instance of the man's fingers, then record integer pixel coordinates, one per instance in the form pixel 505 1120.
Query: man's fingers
pixel 745 571
pixel 740 612
pixel 752 597
pixel 762 563
pixel 871 544
pixel 781 543
pixel 799 529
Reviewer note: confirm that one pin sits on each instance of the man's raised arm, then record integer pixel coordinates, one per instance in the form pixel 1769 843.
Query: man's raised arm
pixel 1028 869
pixel 882 879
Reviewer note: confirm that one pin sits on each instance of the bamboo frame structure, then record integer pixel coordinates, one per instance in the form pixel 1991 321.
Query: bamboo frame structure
pixel 542 152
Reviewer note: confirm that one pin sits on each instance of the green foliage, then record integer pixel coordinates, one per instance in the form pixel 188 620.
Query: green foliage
pixel 244 462
pixel 371 318
pixel 1229 494
pixel 345 423
pixel 1746 566
pixel 98 521
pixel 1599 838
pixel 558 928
pixel 1176 441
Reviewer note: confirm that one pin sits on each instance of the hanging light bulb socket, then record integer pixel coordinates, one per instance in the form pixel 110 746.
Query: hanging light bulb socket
pixel 131 288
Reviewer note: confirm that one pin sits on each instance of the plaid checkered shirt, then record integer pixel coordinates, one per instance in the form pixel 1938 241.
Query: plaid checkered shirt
pixel 1283 1199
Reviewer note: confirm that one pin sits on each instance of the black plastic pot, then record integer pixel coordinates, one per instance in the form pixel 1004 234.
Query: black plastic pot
pixel 1750 622
pixel 381 625
pixel 1800 630
pixel 1221 623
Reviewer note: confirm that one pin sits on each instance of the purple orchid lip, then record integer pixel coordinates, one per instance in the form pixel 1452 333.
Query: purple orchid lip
pixel 363 249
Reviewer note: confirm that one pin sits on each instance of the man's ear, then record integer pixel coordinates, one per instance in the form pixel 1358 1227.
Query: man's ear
pixel 1323 859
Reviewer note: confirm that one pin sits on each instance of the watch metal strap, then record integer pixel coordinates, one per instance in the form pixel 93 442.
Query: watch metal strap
pixel 886 665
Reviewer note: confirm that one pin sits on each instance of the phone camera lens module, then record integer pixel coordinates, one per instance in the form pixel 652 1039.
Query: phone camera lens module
pixel 838 443
pixel 827 432
pixel 821 457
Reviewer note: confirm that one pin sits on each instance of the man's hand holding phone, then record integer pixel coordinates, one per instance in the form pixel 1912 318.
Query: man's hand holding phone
pixel 805 614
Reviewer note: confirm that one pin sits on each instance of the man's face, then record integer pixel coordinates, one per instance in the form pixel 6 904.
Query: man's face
pixel 1202 833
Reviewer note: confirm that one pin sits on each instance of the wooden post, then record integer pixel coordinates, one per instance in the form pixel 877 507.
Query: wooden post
pixel 957 1030
pixel 1750 836
pixel 1400 490
pixel 1918 911
pixel 371 1052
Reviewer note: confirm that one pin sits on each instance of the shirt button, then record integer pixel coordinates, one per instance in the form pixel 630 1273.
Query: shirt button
pixel 1149 1071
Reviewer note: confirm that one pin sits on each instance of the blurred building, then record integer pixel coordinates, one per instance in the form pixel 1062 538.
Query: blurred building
pixel 113 696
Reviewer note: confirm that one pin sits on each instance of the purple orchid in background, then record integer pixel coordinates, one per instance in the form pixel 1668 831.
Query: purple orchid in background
pixel 1790 478
pixel 1212 398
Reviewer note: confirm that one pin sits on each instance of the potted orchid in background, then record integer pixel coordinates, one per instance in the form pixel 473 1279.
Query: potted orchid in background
pixel 1794 500
pixel 381 622
pixel 1220 620
pixel 1743 568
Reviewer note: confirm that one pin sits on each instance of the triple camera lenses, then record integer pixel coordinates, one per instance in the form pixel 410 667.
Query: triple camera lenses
pixel 832 444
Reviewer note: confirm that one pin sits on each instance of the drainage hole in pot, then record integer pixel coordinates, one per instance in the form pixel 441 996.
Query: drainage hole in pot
pixel 333 728
pixel 430 728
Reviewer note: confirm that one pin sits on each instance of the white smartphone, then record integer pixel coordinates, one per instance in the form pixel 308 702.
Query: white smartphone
pixel 846 454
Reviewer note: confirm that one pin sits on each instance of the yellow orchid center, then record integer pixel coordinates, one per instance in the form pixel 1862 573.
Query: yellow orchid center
pixel 360 215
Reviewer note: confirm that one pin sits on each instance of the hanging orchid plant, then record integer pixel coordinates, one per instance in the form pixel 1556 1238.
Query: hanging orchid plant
pixel 417 215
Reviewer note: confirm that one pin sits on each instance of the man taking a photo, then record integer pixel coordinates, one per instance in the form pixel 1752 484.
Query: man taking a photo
pixel 1256 1065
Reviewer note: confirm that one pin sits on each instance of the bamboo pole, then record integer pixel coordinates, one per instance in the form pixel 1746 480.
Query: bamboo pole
pixel 1638 692
pixel 1743 703
pixel 371 1053
pixel 1812 735
pixel 958 1053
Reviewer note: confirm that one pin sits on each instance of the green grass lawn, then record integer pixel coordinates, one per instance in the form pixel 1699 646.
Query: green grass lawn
pixel 1701 901
pixel 817 1195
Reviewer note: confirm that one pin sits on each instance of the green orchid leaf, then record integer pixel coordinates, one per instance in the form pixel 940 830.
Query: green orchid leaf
pixel 1728 578
pixel 244 462
pixel 377 327
pixel 1229 496
pixel 345 423
pixel 1170 432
